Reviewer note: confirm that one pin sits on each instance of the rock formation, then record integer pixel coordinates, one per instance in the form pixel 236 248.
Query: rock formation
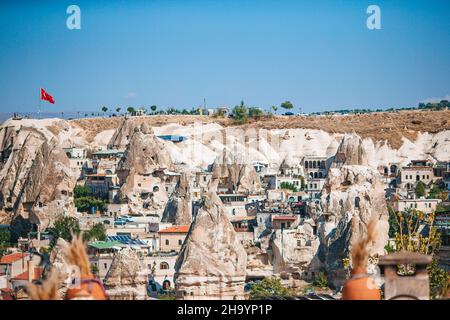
pixel 122 135
pixel 234 173
pixel 295 250
pixel 353 194
pixel 212 261
pixel 258 262
pixel 178 210
pixel 351 151
pixel 145 153
pixel 144 191
pixel 126 278
pixel 36 182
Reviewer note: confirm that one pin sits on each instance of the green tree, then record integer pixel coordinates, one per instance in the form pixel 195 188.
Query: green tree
pixel 321 280
pixel 85 204
pixel 287 105
pixel 131 110
pixel 275 109
pixel 240 113
pixel 96 233
pixel 104 109
pixel 420 189
pixel 81 191
pixel 410 238
pixel 64 227
pixel 255 113
pixel 269 287
pixel 5 240
pixel 437 193
pixel 439 280
pixel 288 186
pixel 118 109
pixel 153 108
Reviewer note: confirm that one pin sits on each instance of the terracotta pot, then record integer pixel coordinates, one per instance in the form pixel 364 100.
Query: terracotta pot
pixel 361 287
pixel 90 288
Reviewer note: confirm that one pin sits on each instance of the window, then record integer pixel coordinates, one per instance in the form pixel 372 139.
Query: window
pixel 167 242
pixel 164 265
pixel 155 189
pixel 180 242
pixel 357 200
pixel 105 265
pixel 139 185
pixel 298 243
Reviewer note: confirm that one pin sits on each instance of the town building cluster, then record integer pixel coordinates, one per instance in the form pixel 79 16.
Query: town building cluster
pixel 283 203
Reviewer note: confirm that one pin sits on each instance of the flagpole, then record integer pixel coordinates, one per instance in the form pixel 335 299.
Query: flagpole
pixel 39 104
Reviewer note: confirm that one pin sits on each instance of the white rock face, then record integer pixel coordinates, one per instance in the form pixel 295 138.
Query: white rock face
pixel 212 261
pixel 145 153
pixel 241 177
pixel 352 192
pixel 178 210
pixel 295 250
pixel 36 182
pixel 144 192
pixel 126 278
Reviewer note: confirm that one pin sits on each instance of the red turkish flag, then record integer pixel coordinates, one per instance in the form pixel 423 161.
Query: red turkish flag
pixel 46 96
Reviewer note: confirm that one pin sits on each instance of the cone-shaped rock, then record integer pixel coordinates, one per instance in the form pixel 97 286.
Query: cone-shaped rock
pixel 126 279
pixel 351 151
pixel 145 153
pixel 178 210
pixel 235 174
pixel 212 261
pixel 35 177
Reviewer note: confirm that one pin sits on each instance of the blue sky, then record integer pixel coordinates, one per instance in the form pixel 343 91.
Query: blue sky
pixel 318 54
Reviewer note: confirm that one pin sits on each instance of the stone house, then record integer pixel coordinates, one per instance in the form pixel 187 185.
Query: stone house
pixel 172 238
pixel 283 222
pixel 101 183
pixel 315 167
pixel 415 172
pixel 315 187
pixel 161 271
pixel 424 205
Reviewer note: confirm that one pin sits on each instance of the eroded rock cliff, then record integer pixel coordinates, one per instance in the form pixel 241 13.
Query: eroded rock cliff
pixel 178 210
pixel 36 182
pixel 212 261
pixel 126 278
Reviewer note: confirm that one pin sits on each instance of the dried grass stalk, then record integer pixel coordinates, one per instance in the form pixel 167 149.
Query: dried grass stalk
pixel 48 290
pixel 360 248
pixel 76 255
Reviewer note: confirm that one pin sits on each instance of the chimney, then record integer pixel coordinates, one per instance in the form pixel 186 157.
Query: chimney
pixel 30 265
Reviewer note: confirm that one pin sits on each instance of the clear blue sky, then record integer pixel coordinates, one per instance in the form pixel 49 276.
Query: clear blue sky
pixel 318 54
